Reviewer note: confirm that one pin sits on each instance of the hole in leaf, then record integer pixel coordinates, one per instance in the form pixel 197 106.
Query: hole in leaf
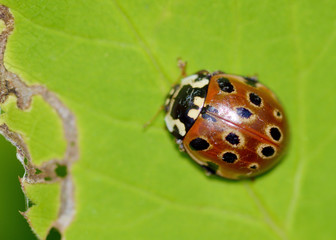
pixel 37 171
pixel 47 178
pixel 25 161
pixel 30 203
pixel 61 170
pixel 54 234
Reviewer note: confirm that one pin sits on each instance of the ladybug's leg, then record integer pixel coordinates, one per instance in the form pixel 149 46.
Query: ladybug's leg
pixel 208 170
pixel 182 65
pixel 180 145
pixel 254 77
pixel 251 80
pixel 149 122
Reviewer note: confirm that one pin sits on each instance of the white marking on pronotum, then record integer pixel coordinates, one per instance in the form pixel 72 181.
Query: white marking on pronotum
pixel 191 81
pixel 172 91
pixel 193 113
pixel 167 101
pixel 170 122
pixel 198 101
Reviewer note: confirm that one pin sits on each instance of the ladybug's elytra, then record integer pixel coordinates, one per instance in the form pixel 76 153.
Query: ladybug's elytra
pixel 231 125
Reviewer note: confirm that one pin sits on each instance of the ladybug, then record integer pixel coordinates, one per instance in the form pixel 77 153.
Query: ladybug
pixel 231 125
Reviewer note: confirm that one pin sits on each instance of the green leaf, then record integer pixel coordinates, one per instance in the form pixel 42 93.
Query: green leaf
pixel 45 204
pixel 113 62
pixel 40 126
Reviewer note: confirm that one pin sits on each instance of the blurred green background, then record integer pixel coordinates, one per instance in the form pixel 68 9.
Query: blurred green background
pixel 12 224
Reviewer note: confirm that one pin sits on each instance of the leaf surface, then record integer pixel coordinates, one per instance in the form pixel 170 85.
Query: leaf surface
pixel 112 64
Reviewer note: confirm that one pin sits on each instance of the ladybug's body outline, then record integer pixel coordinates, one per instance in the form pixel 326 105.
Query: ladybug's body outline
pixel 231 125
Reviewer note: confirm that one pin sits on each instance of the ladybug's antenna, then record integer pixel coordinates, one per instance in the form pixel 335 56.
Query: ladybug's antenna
pixel 182 65
pixel 154 117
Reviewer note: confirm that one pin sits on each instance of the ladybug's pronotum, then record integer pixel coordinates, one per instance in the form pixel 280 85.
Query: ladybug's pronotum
pixel 231 125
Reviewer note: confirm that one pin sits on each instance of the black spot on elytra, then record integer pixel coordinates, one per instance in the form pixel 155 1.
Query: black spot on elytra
pixel 199 144
pixel 255 99
pixel 251 81
pixel 253 166
pixel 275 133
pixel 225 85
pixel 211 167
pixel 229 157
pixel 232 138
pixel 268 151
pixel 207 116
pixel 244 112
pixel 211 109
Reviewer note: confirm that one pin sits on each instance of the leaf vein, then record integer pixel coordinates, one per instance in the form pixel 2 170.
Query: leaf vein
pixel 145 47
pixel 268 217
pixel 98 41
pixel 166 201
pixel 324 50
pixel 301 116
